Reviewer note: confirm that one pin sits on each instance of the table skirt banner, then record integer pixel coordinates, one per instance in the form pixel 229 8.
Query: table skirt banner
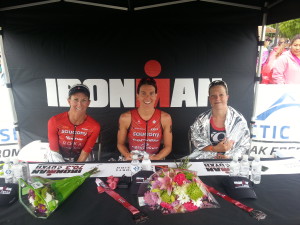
pixel 207 168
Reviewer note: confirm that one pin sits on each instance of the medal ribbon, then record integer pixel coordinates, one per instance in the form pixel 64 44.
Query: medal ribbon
pixel 259 215
pixel 102 187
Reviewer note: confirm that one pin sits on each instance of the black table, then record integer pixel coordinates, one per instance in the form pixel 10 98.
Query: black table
pixel 278 197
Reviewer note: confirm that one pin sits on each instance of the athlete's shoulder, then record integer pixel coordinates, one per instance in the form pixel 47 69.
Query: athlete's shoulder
pixel 59 117
pixel 166 117
pixel 92 121
pixel 125 117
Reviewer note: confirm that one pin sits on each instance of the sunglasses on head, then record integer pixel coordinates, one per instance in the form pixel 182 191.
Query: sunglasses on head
pixel 217 82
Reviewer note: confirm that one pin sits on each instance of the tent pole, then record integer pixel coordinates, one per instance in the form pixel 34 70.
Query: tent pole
pixel 258 70
pixel 28 5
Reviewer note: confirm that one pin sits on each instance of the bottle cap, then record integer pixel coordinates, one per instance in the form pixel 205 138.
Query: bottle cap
pixel 245 157
pixel 6 160
pixel 146 155
pixel 235 158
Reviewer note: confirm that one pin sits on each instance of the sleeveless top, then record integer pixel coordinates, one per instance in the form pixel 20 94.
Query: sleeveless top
pixel 145 135
pixel 71 139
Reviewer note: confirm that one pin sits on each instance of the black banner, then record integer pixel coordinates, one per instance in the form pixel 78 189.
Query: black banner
pixel 44 61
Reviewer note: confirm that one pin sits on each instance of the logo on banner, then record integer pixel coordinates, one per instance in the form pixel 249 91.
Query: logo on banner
pixel 116 93
pixel 276 128
pixel 216 167
pixel 275 122
pixel 57 169
pixel 8 135
pixel 5 190
pixel 281 103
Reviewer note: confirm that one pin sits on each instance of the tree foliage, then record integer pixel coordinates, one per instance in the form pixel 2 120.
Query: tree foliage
pixel 289 28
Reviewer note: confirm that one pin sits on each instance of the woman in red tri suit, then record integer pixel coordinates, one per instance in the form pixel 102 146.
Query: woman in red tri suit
pixel 145 127
pixel 73 134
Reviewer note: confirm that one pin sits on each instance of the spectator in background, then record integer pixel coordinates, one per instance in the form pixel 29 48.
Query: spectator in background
pixel 286 68
pixel 73 134
pixel 265 51
pixel 266 71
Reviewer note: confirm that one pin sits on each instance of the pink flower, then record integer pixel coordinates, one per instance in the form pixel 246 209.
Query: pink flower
pixel 151 198
pixel 166 184
pixel 189 206
pixel 180 179
pixel 166 205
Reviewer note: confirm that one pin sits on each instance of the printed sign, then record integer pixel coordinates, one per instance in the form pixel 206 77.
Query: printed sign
pixel 277 121
pixel 9 151
pixel 8 135
pixel 211 168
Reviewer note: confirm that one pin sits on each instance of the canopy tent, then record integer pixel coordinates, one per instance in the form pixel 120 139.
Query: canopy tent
pixel 48 41
pixel 278 10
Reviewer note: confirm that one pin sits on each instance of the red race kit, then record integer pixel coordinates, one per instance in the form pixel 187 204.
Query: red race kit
pixel 145 135
pixel 70 139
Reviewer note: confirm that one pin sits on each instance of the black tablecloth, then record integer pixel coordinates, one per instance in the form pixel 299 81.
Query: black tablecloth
pixel 278 197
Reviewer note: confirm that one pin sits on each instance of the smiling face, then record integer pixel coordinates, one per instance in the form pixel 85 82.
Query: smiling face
pixel 295 48
pixel 79 102
pixel 147 96
pixel 218 97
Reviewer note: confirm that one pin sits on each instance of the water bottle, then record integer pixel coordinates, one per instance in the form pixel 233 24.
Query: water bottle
pixel 234 166
pixel 256 170
pixel 146 163
pixel 26 171
pixel 17 170
pixel 244 167
pixel 7 171
pixel 135 165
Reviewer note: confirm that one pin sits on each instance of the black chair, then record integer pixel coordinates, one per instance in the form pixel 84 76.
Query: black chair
pixel 191 145
pixel 95 155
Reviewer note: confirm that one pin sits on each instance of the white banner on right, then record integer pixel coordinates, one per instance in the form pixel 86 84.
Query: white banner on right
pixel 276 128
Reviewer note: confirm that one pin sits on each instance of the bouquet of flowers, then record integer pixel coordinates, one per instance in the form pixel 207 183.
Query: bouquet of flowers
pixel 42 196
pixel 176 191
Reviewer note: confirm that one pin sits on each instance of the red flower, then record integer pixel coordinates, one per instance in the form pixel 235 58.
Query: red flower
pixel 180 179
pixel 189 206
pixel 166 205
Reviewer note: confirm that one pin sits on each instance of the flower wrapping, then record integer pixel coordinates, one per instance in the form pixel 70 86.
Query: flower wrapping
pixel 42 196
pixel 175 191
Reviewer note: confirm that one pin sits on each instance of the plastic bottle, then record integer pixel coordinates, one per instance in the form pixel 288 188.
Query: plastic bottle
pixel 17 170
pixel 146 163
pixel 244 167
pixel 7 171
pixel 135 165
pixel 26 171
pixel 234 166
pixel 256 170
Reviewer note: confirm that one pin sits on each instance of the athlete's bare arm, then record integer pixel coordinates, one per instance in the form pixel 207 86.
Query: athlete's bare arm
pixel 124 123
pixel 166 122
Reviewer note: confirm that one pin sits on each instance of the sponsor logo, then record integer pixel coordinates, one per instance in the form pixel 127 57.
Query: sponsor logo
pixel 116 93
pixel 241 184
pixel 57 169
pixel 5 190
pixel 285 101
pixel 217 167
pixel 275 128
pixel 268 127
